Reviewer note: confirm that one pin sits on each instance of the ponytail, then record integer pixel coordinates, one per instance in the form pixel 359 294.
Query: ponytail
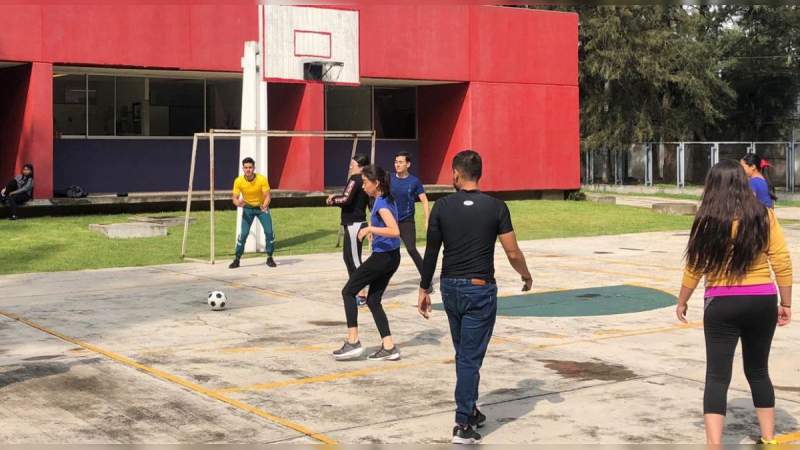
pixel 761 164
pixel 377 174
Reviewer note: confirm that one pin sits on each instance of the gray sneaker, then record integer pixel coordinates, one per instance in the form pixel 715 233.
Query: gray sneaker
pixel 348 351
pixel 385 355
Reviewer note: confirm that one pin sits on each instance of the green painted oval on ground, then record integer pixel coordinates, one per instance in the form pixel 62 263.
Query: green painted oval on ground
pixel 599 301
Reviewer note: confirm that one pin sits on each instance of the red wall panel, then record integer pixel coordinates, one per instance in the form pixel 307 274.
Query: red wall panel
pixel 527 134
pixel 444 129
pixel 422 42
pixel 36 141
pixel 296 163
pixel 514 45
pixel 14 81
pixel 178 36
pixel 20 33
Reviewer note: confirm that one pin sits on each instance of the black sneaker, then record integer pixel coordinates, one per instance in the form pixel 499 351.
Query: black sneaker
pixel 465 434
pixel 234 264
pixel 12 218
pixel 478 419
pixel 348 351
pixel 385 355
pixel 271 262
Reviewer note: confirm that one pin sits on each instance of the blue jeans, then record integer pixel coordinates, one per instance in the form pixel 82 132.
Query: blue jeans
pixel 471 311
pixel 250 213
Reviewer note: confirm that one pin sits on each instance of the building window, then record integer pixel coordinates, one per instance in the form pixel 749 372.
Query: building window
pixel 101 105
pixel 224 104
pixel 106 105
pixel 176 107
pixel 396 113
pixel 348 108
pixel 69 104
pixel 131 106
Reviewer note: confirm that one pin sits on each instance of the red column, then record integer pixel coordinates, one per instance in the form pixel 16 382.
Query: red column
pixel 444 129
pixel 297 163
pixel 36 139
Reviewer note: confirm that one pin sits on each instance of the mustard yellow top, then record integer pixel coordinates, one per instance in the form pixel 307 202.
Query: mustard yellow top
pixel 776 255
pixel 254 191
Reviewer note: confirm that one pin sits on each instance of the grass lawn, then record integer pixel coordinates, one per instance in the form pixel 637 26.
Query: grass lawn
pixel 65 243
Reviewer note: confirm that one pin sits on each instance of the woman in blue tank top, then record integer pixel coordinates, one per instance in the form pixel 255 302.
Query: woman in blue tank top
pixel 756 169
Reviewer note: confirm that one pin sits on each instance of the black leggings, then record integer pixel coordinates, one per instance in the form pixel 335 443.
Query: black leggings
pixel 726 319
pixel 408 233
pixel 13 200
pixel 376 272
pixel 351 250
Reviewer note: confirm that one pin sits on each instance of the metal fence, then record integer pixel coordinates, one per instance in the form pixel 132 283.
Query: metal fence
pixel 684 163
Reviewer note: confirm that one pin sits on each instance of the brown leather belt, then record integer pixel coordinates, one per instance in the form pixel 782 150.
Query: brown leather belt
pixel 478 282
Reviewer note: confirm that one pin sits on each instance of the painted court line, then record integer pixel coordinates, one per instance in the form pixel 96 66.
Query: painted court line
pixel 335 376
pixel 177 380
pixel 233 284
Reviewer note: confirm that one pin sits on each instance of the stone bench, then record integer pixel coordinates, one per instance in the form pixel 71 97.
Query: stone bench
pixel 677 209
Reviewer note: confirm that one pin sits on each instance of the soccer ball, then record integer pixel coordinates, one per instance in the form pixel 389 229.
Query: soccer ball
pixel 217 300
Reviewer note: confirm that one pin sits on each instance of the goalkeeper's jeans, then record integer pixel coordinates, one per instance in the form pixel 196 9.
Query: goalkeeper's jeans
pixel 250 213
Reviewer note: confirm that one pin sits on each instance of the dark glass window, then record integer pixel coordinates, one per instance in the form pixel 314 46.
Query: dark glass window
pixel 101 105
pixel 69 104
pixel 176 107
pixel 396 113
pixel 348 108
pixel 224 104
pixel 130 106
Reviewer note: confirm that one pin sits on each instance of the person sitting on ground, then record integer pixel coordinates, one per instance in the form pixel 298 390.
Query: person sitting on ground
pixel 18 191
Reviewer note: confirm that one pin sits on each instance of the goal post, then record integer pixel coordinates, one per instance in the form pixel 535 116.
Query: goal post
pixel 214 134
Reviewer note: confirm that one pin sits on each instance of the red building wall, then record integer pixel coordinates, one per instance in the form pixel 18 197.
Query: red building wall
pixel 516 101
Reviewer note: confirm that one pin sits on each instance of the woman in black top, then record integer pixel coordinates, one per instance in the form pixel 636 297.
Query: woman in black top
pixel 354 202
pixel 18 191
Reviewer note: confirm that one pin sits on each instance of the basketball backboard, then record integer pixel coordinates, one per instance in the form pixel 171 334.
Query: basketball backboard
pixel 307 42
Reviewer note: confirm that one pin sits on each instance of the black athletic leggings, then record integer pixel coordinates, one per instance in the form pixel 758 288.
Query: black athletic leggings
pixel 13 200
pixel 351 250
pixel 376 272
pixel 726 319
pixel 408 233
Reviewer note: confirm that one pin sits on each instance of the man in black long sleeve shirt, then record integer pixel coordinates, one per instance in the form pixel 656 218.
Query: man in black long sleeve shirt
pixel 468 223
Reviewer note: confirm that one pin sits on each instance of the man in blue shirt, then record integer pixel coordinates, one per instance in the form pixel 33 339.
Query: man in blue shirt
pixel 406 189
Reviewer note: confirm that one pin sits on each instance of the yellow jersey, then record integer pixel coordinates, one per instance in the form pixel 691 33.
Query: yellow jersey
pixel 254 191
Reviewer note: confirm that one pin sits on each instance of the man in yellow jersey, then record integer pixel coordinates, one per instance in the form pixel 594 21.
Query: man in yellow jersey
pixel 251 193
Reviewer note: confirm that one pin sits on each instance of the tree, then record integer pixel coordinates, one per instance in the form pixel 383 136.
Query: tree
pixel 648 73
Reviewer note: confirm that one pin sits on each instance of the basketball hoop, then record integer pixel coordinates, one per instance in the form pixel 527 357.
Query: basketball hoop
pixel 322 70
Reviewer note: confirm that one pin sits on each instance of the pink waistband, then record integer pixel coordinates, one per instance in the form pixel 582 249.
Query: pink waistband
pixel 728 291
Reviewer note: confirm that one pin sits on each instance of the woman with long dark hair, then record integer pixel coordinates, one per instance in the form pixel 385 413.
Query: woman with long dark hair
pixel 756 169
pixel 353 202
pixel 377 270
pixel 734 241
pixel 18 191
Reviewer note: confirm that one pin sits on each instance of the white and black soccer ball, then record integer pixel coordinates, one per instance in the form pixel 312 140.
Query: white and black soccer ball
pixel 217 300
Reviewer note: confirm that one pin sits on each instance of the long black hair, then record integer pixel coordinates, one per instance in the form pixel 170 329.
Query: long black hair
pixel 731 227
pixel 28 166
pixel 377 174
pixel 761 165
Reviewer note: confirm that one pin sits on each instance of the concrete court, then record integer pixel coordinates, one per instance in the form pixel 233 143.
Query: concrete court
pixel 136 356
